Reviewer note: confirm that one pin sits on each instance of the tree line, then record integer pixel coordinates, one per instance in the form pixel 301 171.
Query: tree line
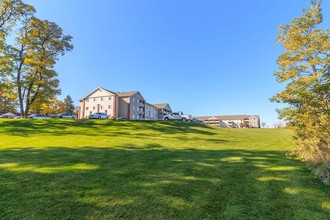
pixel 29 50
pixel 305 68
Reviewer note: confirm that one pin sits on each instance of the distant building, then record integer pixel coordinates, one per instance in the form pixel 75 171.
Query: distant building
pixel 232 121
pixel 163 109
pixel 151 112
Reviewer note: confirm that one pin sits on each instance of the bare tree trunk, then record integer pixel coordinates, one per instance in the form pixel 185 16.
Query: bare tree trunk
pixel 20 100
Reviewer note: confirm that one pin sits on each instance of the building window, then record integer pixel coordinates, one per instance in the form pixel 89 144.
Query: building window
pixel 101 107
pixel 94 99
pixel 133 107
pixel 133 99
pixel 109 97
pixel 86 108
pixel 90 112
pixel 93 107
pixel 101 98
pixel 106 111
pixel 133 116
pixel 109 106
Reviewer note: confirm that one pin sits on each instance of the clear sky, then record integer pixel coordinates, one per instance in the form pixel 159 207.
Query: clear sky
pixel 202 57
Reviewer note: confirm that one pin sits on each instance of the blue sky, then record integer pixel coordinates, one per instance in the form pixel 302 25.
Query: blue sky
pixel 203 57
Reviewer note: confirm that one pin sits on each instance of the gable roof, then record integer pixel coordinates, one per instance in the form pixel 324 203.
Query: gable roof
pixel 222 117
pixel 231 117
pixel 147 103
pixel 126 94
pixel 202 118
pixel 95 90
pixel 162 105
pixel 129 94
pixel 212 118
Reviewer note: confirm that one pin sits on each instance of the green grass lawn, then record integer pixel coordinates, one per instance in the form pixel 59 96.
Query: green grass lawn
pixel 63 169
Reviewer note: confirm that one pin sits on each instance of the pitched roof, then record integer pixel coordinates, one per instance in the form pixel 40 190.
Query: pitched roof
pixel 98 88
pixel 162 105
pixel 222 117
pixel 212 118
pixel 147 103
pixel 231 117
pixel 202 118
pixel 126 94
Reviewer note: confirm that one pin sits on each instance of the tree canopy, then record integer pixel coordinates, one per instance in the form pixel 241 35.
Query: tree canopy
pixel 304 67
pixel 27 64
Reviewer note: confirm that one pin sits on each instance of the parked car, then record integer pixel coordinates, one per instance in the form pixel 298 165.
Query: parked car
pixel 38 116
pixel 9 115
pixel 98 115
pixel 185 117
pixel 121 118
pixel 172 117
pixel 65 115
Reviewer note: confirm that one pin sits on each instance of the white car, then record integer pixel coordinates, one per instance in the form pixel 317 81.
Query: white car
pixel 66 115
pixel 98 115
pixel 38 116
pixel 172 117
pixel 185 117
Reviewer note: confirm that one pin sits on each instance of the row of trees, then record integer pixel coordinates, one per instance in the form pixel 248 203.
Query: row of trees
pixel 29 50
pixel 305 68
pixel 51 106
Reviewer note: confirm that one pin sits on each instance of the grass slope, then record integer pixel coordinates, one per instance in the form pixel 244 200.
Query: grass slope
pixel 62 169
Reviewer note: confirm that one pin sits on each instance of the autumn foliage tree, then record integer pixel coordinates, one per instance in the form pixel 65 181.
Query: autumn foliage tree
pixel 48 106
pixel 28 63
pixel 11 12
pixel 305 68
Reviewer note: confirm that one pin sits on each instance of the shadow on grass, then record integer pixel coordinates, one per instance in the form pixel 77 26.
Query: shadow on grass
pixel 157 183
pixel 59 127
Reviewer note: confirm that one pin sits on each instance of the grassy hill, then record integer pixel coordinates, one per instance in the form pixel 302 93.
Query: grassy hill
pixel 63 169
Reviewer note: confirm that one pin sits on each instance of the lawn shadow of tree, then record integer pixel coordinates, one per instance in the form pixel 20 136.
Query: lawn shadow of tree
pixel 58 127
pixel 155 182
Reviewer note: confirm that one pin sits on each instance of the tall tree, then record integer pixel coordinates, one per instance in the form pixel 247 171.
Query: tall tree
pixel 69 107
pixel 37 47
pixel 11 11
pixel 305 68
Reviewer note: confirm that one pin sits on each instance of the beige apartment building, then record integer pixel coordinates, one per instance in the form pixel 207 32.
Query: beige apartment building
pixel 130 105
pixel 99 100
